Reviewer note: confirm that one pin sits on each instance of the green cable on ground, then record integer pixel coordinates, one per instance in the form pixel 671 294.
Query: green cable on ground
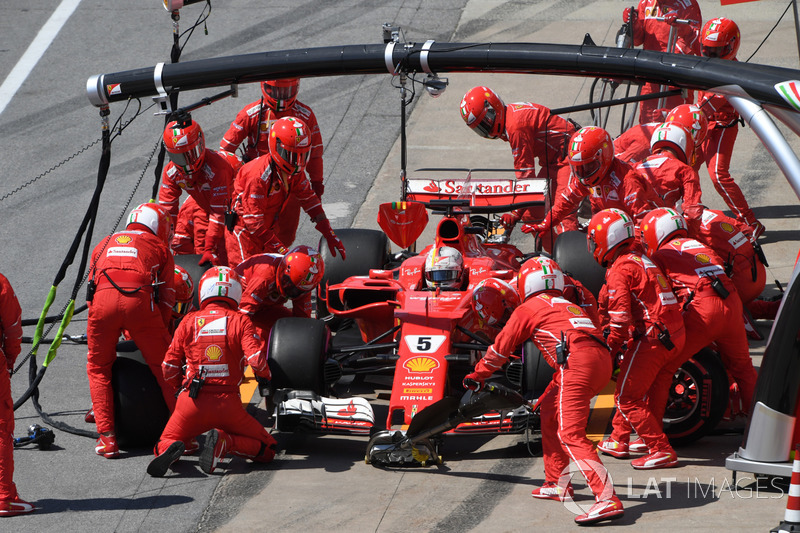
pixel 51 353
pixel 37 336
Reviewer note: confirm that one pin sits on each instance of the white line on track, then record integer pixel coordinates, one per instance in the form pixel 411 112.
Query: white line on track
pixel 35 51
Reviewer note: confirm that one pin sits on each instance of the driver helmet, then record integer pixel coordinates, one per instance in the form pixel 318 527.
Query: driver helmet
pixel 484 112
pixel 444 268
pixel 493 301
pixel 299 272
pixel 609 230
pixel 185 145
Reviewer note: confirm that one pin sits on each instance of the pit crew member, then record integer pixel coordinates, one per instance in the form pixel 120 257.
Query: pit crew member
pixel 214 344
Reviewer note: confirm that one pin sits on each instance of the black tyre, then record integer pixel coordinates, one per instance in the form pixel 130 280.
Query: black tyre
pixel 697 400
pixel 365 249
pixel 536 372
pixel 572 255
pixel 189 262
pixel 297 351
pixel 140 412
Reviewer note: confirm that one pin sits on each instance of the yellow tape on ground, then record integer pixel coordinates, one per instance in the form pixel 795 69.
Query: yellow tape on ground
pixel 602 411
pixel 248 387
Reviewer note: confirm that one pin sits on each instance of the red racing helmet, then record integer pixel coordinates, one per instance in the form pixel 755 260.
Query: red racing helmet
pixel 154 218
pixel 289 144
pixel 185 145
pixel 484 112
pixel 220 284
pixel 184 292
pixel 300 271
pixel 720 38
pixel 493 301
pixel 233 160
pixel 590 154
pixel 539 274
pixel 692 118
pixel 660 225
pixel 675 137
pixel 609 229
pixel 280 95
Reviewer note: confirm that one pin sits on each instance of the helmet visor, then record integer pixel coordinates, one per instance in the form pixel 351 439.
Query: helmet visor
pixel 295 160
pixel 188 160
pixel 288 288
pixel 485 127
pixel 718 51
pixel 282 95
pixel 586 170
pixel 442 276
pixel 180 308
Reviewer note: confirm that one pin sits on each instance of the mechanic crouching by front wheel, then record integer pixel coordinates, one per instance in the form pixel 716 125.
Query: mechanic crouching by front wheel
pixel 572 344
pixel 206 363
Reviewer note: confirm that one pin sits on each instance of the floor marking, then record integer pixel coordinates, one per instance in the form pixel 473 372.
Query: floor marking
pixel 601 413
pixel 35 51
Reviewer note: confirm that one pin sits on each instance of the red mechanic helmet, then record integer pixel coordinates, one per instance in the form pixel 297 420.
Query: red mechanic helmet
pixel 538 275
pixel 675 137
pixel 184 292
pixel 590 154
pixel 300 270
pixel 609 229
pixel 220 284
pixel 280 95
pixel 484 112
pixel 692 118
pixel 659 225
pixel 289 144
pixel 154 218
pixel 185 145
pixel 493 301
pixel 233 160
pixel 720 38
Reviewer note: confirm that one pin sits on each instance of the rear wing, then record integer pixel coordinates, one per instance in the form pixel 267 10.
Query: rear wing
pixel 480 190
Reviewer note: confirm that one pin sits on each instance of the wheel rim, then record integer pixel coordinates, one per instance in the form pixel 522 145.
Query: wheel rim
pixel 684 397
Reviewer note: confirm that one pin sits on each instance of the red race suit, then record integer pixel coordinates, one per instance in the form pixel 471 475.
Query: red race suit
pixel 652 34
pixel 10 346
pixel 260 195
pixel 565 403
pixel 254 121
pixel 717 150
pixel 261 299
pixel 633 144
pixel 674 181
pixel 640 307
pixel 134 276
pixel 708 317
pixel 216 343
pixel 190 229
pixel 211 188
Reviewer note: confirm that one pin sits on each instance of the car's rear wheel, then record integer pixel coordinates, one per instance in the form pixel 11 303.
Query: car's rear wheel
pixel 297 349
pixel 366 249
pixel 572 255
pixel 697 399
pixel 536 372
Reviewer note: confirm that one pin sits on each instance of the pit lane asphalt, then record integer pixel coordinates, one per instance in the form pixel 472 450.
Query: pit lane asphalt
pixel 320 482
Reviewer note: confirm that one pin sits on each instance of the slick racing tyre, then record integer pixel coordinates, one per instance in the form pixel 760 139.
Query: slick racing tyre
pixel 572 255
pixel 366 249
pixel 140 412
pixel 297 351
pixel 697 399
pixel 536 372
